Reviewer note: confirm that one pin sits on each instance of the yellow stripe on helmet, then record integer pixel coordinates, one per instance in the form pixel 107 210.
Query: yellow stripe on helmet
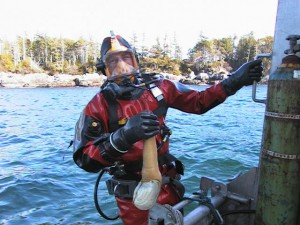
pixel 115 44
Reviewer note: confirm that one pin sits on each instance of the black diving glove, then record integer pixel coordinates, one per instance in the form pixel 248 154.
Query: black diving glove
pixel 245 75
pixel 141 126
pixel 113 91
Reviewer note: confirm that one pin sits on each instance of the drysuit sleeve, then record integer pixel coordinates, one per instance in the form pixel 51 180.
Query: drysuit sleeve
pixel 92 150
pixel 186 99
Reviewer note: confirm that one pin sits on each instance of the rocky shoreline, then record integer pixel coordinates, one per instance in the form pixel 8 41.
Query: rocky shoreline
pixel 12 80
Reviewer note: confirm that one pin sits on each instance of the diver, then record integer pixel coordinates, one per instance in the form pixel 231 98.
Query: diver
pixel 130 108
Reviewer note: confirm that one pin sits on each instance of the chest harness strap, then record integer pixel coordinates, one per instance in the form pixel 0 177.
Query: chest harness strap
pixel 113 107
pixel 162 106
pixel 113 118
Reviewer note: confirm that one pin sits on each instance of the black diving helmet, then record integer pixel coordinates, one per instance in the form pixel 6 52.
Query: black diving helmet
pixel 119 61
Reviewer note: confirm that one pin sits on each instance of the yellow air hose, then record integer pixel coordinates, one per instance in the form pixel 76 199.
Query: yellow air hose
pixel 147 191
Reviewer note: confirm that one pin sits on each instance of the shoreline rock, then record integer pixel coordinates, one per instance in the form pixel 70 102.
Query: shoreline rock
pixel 12 80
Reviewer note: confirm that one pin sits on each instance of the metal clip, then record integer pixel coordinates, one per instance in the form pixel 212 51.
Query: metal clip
pixel 254 94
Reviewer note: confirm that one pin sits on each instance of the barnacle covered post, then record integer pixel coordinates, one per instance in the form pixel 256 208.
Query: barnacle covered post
pixel 278 199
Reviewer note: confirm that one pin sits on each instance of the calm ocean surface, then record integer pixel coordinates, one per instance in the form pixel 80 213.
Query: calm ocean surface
pixel 40 184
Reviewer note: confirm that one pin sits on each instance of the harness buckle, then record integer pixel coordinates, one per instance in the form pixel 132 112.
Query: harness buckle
pixel 121 188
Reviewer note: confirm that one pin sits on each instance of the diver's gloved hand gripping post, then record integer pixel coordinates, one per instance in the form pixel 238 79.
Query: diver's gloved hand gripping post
pixel 243 76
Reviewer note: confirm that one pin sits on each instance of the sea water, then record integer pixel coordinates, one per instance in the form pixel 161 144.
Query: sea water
pixel 40 183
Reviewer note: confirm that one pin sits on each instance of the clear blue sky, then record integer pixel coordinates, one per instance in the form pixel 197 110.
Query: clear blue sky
pixel 186 19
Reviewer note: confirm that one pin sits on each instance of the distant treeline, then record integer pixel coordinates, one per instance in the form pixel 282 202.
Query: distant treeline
pixel 59 55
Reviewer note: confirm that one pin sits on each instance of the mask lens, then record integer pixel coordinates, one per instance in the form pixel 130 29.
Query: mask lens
pixel 114 59
pixel 119 63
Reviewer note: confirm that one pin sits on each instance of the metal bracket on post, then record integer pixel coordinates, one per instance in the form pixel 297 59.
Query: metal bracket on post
pixel 254 94
pixel 221 189
pixel 259 56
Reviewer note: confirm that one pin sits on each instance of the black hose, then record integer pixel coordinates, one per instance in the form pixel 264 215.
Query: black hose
pixel 96 198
